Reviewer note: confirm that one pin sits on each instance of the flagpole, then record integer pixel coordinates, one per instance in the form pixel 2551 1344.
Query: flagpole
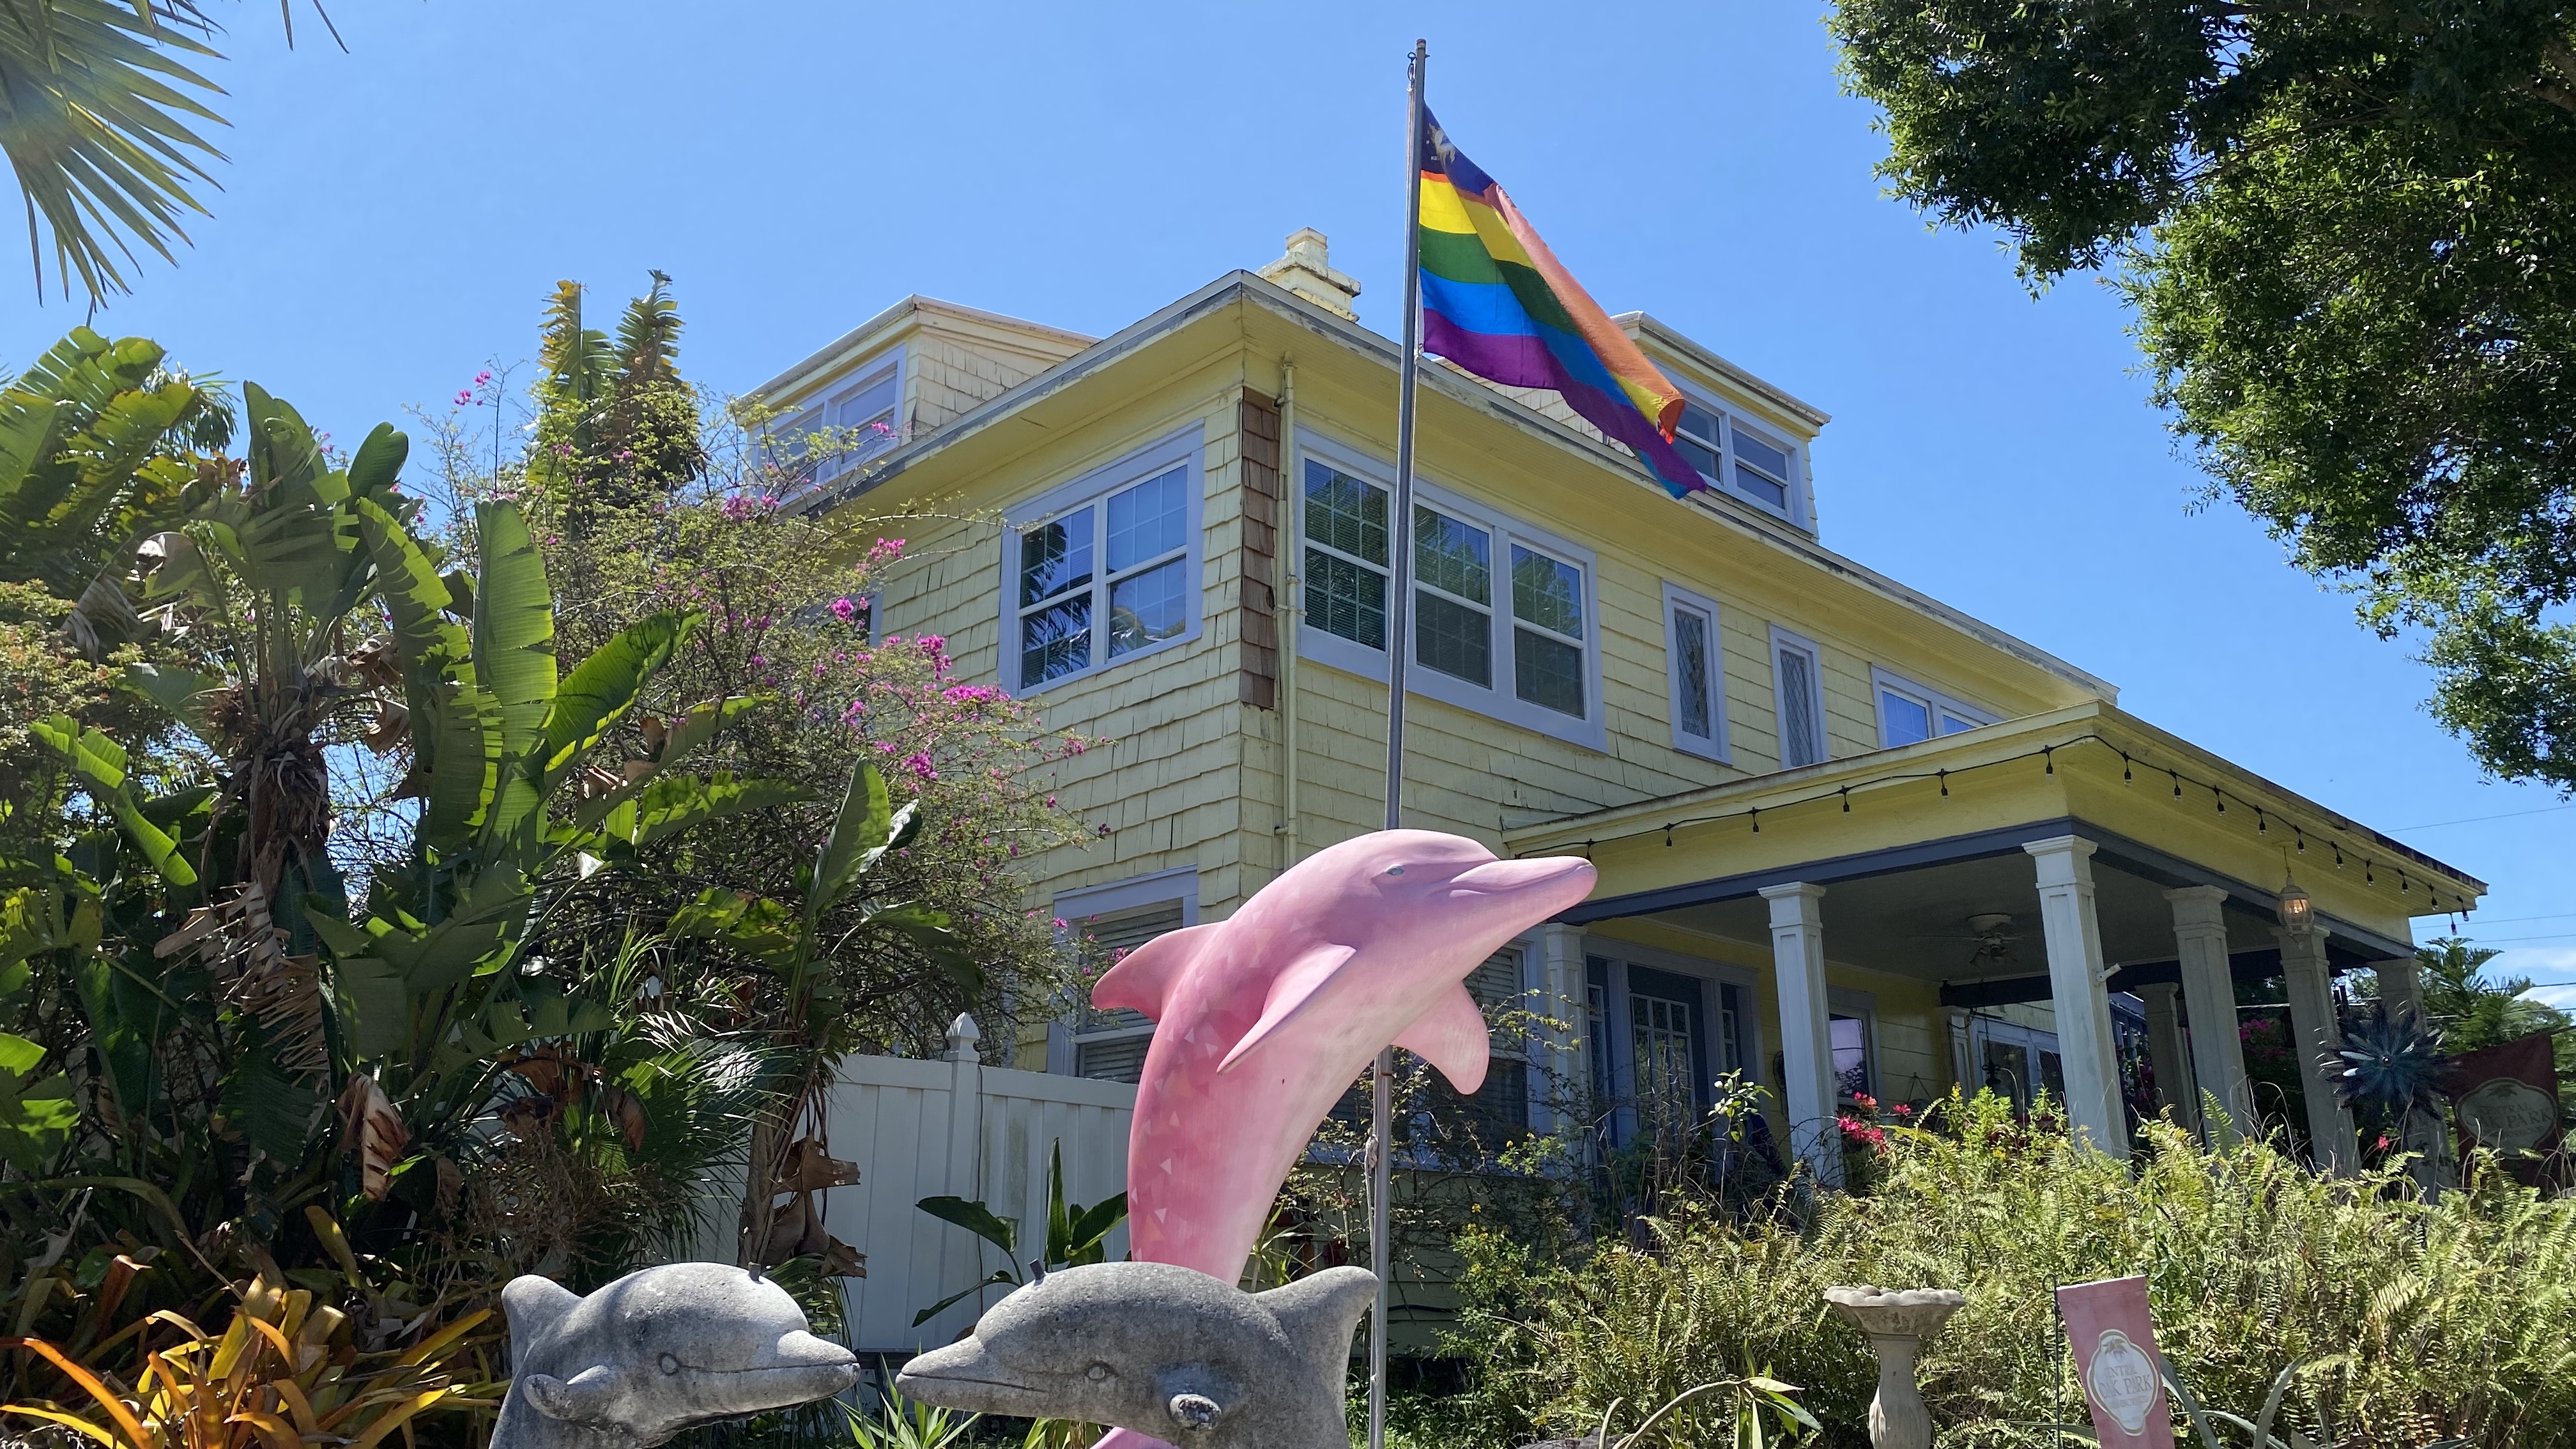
pixel 1381 1086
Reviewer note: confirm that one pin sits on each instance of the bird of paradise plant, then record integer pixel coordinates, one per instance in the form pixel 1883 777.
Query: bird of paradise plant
pixel 282 1374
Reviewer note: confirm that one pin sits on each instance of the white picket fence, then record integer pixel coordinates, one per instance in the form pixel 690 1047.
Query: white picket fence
pixel 960 1128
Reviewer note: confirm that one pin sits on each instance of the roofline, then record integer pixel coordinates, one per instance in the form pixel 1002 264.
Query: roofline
pixel 1246 287
pixel 1809 782
pixel 854 340
pixel 1664 333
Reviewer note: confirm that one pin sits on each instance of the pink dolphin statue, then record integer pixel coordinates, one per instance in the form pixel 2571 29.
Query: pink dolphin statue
pixel 1266 1018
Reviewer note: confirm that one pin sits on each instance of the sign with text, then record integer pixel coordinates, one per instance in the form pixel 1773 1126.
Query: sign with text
pixel 2116 1362
pixel 2505 1098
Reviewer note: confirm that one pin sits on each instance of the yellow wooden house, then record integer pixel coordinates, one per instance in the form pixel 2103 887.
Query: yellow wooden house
pixel 1850 840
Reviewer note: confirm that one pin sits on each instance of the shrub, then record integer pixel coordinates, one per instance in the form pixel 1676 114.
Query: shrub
pixel 2409 1320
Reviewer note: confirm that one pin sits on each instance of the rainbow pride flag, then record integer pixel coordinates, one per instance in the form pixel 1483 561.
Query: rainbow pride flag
pixel 1498 303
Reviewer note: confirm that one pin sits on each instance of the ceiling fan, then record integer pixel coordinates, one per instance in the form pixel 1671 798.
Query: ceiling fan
pixel 1992 934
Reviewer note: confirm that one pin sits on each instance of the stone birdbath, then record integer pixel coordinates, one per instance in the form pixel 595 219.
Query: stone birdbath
pixel 1897 1321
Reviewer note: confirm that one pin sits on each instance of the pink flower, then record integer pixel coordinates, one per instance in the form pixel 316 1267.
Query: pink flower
pixel 463 397
pixel 844 610
pixel 919 763
pixel 482 377
pixel 1059 923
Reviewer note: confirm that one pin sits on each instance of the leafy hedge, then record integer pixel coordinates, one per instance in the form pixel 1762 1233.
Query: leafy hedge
pixel 2411 1321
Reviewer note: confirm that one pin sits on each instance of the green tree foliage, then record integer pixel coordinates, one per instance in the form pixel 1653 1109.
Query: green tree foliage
pixel 2402 1321
pixel 2344 227
pixel 2472 1009
pixel 616 425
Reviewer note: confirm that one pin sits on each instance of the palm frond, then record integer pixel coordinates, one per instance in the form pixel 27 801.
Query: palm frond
pixel 96 109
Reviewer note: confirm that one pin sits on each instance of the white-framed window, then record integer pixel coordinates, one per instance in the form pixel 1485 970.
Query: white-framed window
pixel 1798 691
pixel 1910 714
pixel 2014 1061
pixel 1504 616
pixel 1851 1025
pixel 1744 459
pixel 1695 656
pixel 1103 569
pixel 1116 918
pixel 861 415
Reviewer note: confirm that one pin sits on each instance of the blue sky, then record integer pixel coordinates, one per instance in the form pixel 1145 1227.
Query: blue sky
pixel 393 217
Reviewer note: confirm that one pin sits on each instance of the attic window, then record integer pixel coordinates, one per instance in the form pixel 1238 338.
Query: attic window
pixel 1740 459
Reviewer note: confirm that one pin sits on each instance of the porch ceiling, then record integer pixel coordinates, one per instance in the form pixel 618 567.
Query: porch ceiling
pixel 1914 923
pixel 1945 819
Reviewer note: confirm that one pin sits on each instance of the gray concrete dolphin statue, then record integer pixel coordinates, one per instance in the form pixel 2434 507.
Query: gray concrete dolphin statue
pixel 656 1352
pixel 1163 1350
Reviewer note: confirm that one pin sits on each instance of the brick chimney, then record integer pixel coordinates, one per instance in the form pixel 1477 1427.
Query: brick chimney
pixel 1307 271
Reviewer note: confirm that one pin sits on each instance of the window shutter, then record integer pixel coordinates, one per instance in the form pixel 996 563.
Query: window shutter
pixel 1120 1058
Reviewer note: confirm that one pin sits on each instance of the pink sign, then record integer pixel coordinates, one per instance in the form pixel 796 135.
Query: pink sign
pixel 2116 1361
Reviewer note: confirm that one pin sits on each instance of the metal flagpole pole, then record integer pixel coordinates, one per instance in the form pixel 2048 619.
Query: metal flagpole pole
pixel 1381 1137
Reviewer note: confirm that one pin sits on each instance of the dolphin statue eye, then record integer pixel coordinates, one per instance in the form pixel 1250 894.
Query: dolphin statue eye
pixel 669 1363
pixel 1100 1373
pixel 1395 870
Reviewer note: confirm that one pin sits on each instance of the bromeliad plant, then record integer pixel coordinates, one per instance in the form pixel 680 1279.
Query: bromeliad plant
pixel 283 1373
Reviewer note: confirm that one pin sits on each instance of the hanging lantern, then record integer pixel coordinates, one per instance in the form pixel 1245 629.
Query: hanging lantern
pixel 2296 913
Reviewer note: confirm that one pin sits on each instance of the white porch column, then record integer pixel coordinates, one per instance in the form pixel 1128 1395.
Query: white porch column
pixel 1556 951
pixel 2209 999
pixel 2401 989
pixel 2166 1054
pixel 1806 1036
pixel 2314 1037
pixel 2075 977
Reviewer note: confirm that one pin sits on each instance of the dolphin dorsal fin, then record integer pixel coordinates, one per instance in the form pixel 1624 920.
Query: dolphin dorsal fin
pixel 1452 1037
pixel 1320 1310
pixel 1144 978
pixel 1291 991
pixel 533 1306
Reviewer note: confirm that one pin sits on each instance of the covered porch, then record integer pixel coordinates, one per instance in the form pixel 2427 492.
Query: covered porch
pixel 2062 902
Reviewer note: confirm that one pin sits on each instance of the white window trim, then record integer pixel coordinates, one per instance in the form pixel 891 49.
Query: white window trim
pixel 886 367
pixel 810 411
pixel 1186 448
pixel 1935 704
pixel 1500 702
pixel 1072 906
pixel 1801 511
pixel 1844 1001
pixel 1782 639
pixel 1677 598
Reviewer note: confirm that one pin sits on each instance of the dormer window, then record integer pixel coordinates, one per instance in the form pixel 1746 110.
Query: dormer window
pixel 1740 460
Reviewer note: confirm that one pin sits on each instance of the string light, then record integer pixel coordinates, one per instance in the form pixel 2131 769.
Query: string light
pixel 2221 797
pixel 2049 754
pixel 2124 767
pixel 2177 779
pixel 1944 777
pixel 2366 877
pixel 2338 850
pixel 1668 837
pixel 1847 799
pixel 2303 839
pixel 1756 813
pixel 2261 826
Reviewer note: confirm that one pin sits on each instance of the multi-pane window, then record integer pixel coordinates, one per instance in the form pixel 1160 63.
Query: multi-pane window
pixel 1346 556
pixel 1692 651
pixel 1799 685
pixel 1547 643
pixel 1501 617
pixel 1103 579
pixel 1738 458
pixel 1453 597
pixel 1110 1045
pixel 1910 714
pixel 862 419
